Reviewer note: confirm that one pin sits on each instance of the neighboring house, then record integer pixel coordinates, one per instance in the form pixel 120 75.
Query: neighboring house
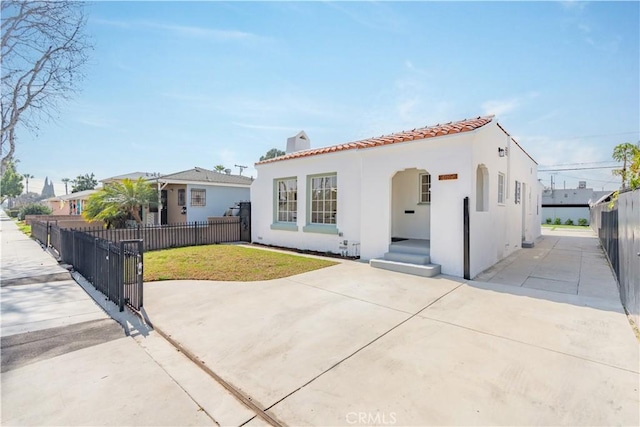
pixel 132 176
pixel 197 194
pixel 398 199
pixel 69 204
pixel 570 204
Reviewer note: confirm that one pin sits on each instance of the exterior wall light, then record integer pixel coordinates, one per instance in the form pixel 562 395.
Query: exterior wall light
pixel 502 151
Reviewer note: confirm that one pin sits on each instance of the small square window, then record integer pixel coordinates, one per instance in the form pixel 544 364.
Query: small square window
pixel 198 197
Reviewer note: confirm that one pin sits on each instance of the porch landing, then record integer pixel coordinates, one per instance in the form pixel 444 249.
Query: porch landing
pixel 410 256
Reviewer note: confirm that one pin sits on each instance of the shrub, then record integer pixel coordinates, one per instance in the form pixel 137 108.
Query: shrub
pixel 13 213
pixel 548 220
pixel 557 221
pixel 568 222
pixel 583 222
pixel 33 209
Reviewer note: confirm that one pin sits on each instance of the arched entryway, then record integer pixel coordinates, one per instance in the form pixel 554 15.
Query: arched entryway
pixel 411 204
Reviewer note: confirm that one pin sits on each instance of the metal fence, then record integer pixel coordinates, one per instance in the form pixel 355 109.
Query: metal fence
pixel 112 259
pixel 156 237
pixel 40 230
pixel 115 269
pixel 618 228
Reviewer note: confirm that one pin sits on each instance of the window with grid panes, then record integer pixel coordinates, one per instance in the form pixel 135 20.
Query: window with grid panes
pixel 287 200
pixel 425 188
pixel 324 199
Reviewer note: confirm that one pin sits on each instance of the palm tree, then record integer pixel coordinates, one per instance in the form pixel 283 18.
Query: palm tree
pixel 120 198
pixel 219 168
pixel 66 182
pixel 624 153
pixel 27 177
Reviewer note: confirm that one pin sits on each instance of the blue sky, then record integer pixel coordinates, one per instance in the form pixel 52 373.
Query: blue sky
pixel 173 85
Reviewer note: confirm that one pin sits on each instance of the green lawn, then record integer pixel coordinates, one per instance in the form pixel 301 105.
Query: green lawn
pixel 573 227
pixel 225 263
pixel 26 229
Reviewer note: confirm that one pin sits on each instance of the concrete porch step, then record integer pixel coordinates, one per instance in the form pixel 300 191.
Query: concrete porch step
pixel 411 246
pixel 409 258
pixel 429 270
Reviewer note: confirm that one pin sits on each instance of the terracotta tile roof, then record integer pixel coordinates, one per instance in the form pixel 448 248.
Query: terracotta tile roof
pixel 394 138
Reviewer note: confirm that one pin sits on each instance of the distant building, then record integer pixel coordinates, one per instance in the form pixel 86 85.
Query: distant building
pixel 569 203
pixel 48 190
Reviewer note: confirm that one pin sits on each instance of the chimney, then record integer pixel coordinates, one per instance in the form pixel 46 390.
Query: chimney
pixel 298 143
pixel 582 184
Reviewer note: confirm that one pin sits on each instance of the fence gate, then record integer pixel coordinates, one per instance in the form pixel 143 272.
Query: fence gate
pixel 131 273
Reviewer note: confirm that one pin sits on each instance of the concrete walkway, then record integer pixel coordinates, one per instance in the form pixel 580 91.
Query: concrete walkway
pixel 66 362
pixel 564 260
pixel 353 345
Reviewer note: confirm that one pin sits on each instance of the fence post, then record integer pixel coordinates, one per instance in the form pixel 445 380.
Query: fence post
pixel 121 277
pixel 140 272
pixel 73 248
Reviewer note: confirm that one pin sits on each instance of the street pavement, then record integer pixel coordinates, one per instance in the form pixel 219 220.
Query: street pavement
pixel 353 345
pixel 67 362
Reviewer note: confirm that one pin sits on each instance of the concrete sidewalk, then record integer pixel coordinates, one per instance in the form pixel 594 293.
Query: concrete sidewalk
pixel 66 362
pixel 353 345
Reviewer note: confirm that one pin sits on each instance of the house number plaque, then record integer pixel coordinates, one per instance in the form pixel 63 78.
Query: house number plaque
pixel 447 177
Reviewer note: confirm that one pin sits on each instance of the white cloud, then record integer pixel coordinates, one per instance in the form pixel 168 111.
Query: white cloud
pixel 214 34
pixel 500 107
pixel 266 127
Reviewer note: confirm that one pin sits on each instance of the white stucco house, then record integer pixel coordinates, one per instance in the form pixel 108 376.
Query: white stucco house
pixel 398 200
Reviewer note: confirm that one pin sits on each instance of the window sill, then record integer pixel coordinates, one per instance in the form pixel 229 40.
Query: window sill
pixel 320 228
pixel 502 204
pixel 284 226
pixel 423 203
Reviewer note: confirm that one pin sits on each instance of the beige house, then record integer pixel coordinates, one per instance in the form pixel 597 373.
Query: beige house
pixel 69 204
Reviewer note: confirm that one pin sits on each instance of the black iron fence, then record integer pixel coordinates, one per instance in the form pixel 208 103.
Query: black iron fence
pixel 156 237
pixel 112 259
pixel 115 269
pixel 40 230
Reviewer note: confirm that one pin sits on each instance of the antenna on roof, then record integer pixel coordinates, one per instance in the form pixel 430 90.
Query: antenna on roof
pixel 241 168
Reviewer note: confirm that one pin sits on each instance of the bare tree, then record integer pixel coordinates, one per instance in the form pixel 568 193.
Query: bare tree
pixel 43 50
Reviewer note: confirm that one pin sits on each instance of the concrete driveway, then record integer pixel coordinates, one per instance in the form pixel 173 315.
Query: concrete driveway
pixel 353 345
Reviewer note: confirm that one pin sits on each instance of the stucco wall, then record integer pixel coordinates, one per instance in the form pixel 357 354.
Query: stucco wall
pixel 218 200
pixel 499 231
pixel 346 165
pixel 565 213
pixel 174 212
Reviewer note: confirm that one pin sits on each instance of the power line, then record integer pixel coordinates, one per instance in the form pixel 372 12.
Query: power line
pixel 601 135
pixel 579 169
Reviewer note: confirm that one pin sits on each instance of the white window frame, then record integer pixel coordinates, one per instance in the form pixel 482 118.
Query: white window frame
pixel 501 188
pixel 198 197
pixel 424 193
